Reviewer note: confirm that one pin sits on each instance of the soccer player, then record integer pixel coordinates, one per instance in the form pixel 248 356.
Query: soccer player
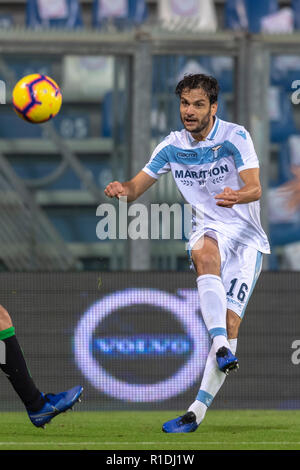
pixel 40 408
pixel 214 165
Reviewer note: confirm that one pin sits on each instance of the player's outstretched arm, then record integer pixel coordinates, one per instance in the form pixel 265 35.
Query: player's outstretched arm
pixel 131 189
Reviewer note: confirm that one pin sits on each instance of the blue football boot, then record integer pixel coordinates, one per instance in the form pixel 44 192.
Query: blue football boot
pixel 54 405
pixel 226 360
pixel 185 423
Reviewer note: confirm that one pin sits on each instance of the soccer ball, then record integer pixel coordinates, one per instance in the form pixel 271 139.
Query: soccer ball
pixel 36 98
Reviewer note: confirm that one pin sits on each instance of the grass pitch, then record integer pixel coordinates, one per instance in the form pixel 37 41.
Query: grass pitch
pixel 221 430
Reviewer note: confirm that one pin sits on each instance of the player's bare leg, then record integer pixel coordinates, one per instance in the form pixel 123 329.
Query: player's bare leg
pixel 233 322
pixel 206 256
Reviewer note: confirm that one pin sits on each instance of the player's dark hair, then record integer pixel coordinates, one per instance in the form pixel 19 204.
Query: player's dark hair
pixel 208 84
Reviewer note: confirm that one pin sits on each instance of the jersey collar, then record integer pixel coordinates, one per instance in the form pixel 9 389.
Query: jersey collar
pixel 210 136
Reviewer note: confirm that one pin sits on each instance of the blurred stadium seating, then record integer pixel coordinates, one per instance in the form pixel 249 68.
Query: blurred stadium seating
pixel 296 12
pixel 121 14
pixel 265 16
pixel 93 78
pixel 108 108
pixel 197 15
pixel 57 14
pixel 284 70
pixel 281 115
pixel 247 15
pixel 6 21
pixel 37 167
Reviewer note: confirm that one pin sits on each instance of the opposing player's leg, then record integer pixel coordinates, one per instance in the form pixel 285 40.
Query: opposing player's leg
pixel 40 408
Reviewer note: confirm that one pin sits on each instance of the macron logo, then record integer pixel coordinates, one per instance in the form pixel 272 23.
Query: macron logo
pixel 242 134
pixel 186 154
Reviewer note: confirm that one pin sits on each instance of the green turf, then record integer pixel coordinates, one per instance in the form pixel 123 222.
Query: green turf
pixel 222 430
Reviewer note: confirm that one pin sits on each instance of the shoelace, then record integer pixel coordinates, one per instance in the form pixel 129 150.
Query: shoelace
pixel 48 397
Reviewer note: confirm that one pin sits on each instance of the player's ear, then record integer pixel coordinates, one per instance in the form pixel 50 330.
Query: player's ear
pixel 214 108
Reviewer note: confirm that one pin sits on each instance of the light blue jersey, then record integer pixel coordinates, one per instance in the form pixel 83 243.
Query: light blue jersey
pixel 203 169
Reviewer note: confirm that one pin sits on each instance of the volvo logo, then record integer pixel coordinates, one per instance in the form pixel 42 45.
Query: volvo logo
pixel 95 350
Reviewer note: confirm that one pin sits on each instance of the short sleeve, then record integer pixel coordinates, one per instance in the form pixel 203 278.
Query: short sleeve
pixel 243 149
pixel 159 161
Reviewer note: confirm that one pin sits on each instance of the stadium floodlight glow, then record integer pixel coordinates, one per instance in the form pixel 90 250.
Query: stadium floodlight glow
pixel 183 306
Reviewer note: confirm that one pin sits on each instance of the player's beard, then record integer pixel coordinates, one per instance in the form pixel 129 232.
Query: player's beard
pixel 202 126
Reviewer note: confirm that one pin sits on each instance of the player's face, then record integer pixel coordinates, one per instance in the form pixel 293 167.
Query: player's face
pixel 196 112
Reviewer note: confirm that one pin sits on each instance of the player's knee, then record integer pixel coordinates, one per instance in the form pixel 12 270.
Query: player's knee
pixel 206 263
pixel 5 320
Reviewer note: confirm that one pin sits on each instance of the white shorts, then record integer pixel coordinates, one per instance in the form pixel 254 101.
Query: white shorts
pixel 240 268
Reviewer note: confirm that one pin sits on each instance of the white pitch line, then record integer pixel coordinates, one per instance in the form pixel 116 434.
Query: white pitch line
pixel 119 443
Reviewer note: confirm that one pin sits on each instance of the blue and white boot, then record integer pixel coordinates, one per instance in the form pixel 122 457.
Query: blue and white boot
pixel 226 360
pixel 185 423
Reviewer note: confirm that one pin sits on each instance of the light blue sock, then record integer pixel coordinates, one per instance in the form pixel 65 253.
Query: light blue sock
pixel 212 381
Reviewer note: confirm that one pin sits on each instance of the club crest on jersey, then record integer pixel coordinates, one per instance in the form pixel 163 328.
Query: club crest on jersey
pixel 215 151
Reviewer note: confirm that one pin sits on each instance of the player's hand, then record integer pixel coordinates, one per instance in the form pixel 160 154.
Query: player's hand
pixel 115 189
pixel 291 190
pixel 227 198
